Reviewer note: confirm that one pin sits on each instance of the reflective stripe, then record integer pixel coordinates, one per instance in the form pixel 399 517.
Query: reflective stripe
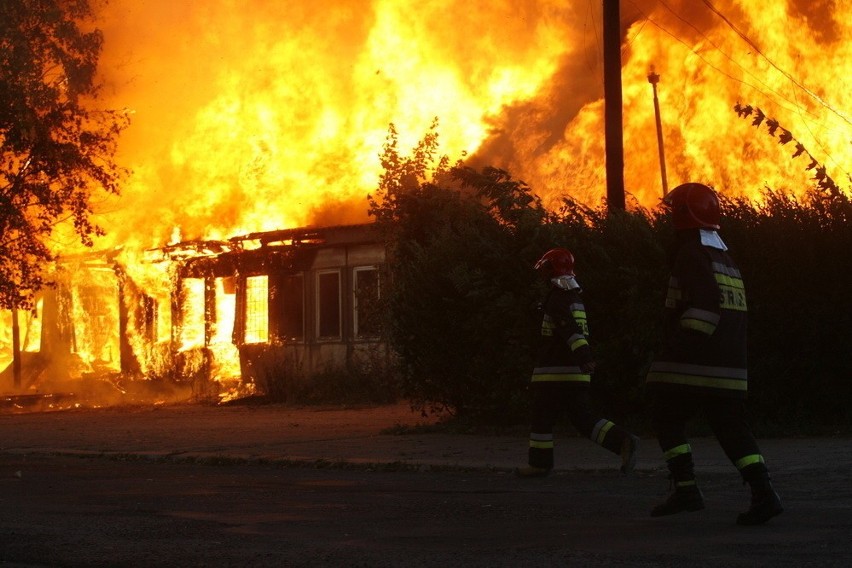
pixel 691 380
pixel 567 378
pixel 563 373
pixel 730 378
pixel 541 436
pixel 697 325
pixel 749 460
pixel 720 268
pixel 704 321
pixel 685 483
pixel 576 341
pixel 677 451
pixel 699 370
pixel 599 431
pixel 703 315
pixel 541 441
pixel 578 311
pixel 561 369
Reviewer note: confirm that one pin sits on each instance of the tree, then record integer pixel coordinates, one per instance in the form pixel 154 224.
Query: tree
pixel 462 302
pixel 57 149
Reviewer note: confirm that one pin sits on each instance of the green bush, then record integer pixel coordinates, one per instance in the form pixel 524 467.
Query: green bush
pixel 460 299
pixel 461 313
pixel 793 254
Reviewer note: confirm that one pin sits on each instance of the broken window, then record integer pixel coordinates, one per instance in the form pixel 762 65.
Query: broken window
pixel 257 309
pixel 223 326
pixel 191 332
pixel 328 305
pixel 367 293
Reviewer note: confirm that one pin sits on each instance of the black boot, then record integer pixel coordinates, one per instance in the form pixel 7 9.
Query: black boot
pixel 765 503
pixel 686 495
pixel 683 498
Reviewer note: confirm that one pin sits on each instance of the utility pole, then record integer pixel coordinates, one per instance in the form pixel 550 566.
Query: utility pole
pixel 612 106
pixel 653 78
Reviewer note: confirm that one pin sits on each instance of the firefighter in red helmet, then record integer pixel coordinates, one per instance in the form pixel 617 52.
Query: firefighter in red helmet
pixel 702 368
pixel 562 374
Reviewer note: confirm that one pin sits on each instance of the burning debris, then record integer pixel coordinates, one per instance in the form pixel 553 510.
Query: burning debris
pixel 234 318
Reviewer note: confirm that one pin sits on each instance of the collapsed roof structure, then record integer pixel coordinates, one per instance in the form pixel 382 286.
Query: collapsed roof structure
pixel 255 314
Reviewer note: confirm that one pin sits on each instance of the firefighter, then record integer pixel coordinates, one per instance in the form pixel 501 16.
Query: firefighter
pixel 563 372
pixel 702 367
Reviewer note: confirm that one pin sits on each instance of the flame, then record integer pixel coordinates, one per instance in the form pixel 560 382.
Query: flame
pixel 29 326
pixel 789 58
pixel 258 115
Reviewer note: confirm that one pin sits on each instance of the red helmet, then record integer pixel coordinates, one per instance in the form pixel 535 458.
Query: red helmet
pixel 693 206
pixel 556 262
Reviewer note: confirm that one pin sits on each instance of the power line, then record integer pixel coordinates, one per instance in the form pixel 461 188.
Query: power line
pixel 729 58
pixel 598 48
pixel 754 46
pixel 757 49
pixel 797 106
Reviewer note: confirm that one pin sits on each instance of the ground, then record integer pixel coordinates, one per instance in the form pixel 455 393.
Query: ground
pixel 203 487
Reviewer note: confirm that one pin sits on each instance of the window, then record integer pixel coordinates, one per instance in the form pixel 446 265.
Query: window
pixel 292 307
pixel 223 327
pixel 367 318
pixel 192 313
pixel 328 305
pixel 257 309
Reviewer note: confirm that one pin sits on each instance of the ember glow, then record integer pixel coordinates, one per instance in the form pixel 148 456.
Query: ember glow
pixel 257 116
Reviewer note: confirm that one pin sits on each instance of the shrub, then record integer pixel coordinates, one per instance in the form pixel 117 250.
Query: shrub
pixel 461 312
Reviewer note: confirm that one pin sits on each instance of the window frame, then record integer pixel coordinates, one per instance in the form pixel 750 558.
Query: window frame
pixel 247 316
pixel 319 305
pixel 301 337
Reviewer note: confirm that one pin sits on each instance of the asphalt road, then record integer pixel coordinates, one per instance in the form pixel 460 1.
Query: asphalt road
pixel 200 486
pixel 84 511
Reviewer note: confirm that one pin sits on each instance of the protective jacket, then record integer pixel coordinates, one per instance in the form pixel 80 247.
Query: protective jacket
pixel 563 344
pixel 706 314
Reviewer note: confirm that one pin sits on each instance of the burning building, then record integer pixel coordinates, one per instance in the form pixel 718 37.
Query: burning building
pixel 260 313
pixel 267 310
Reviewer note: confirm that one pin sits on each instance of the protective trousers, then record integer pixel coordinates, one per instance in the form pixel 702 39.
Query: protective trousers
pixel 553 399
pixel 727 419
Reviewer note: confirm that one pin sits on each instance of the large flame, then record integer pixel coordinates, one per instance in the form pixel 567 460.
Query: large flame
pixel 262 115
